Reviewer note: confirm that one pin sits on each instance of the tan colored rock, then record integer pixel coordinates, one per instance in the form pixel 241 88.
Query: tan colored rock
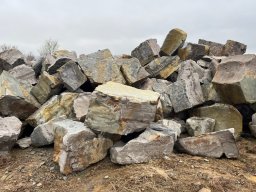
pixel 234 48
pixel 120 109
pixel 173 41
pixel 193 51
pixel 215 49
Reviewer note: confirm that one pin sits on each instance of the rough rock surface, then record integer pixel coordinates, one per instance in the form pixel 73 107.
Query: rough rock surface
pixel 10 59
pixel 81 105
pixel 193 51
pixel 120 109
pixel 173 41
pixel 10 128
pixel 24 142
pixel 146 51
pixel 234 48
pixel 199 125
pixel 213 145
pixel 215 49
pixel 152 143
pixel 226 116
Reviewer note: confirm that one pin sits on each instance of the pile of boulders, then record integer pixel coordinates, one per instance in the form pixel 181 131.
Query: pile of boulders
pixel 180 97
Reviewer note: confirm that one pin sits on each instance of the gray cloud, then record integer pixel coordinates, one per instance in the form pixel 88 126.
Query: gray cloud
pixel 86 26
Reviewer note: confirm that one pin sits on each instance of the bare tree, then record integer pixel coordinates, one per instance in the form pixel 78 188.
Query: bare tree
pixel 48 47
pixel 5 47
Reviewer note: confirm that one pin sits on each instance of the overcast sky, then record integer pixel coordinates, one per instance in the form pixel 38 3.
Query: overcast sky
pixel 120 25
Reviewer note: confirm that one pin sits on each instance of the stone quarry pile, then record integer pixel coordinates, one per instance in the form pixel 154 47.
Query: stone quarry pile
pixel 182 97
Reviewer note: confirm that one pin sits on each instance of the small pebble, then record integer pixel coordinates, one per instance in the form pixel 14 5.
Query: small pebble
pixel 106 177
pixel 39 184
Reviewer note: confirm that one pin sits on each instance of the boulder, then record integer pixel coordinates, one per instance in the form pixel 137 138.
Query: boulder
pixel 213 145
pixel 81 106
pixel 10 58
pixel 235 79
pixel 71 76
pixel 100 67
pixel 146 51
pixel 55 107
pixel 254 119
pixel 226 116
pixel 193 51
pixel 24 74
pixel 47 86
pixel 214 48
pixel 170 125
pixel 120 109
pixel 252 128
pixel 15 100
pixel 10 128
pixel 76 146
pixel 234 48
pixel 163 67
pixel 132 70
pixel 24 142
pixel 174 40
pixel 199 125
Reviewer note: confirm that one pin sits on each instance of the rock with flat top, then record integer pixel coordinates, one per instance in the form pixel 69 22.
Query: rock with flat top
pixel 193 51
pixel 10 58
pixel 120 109
pixel 215 49
pixel 234 48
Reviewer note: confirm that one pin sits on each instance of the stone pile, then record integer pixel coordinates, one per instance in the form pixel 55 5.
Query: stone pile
pixel 180 97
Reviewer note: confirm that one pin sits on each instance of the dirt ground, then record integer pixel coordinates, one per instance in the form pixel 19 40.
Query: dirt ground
pixel 32 169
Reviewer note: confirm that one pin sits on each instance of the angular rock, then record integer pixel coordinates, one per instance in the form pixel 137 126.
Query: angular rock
pixel 45 63
pixel 213 145
pixel 214 48
pixel 132 70
pixel 10 128
pixel 252 128
pixel 163 67
pixel 10 59
pixel 177 126
pixel 210 93
pixel 254 119
pixel 235 79
pixel 24 74
pixel 47 86
pixel 146 51
pixel 72 76
pixel 100 67
pixel 225 115
pixel 120 109
pixel 76 147
pixel 199 125
pixel 193 51
pixel 173 41
pixel 234 48
pixel 24 142
pixel 55 107
pixel 81 106
pixel 15 100
pixel 151 144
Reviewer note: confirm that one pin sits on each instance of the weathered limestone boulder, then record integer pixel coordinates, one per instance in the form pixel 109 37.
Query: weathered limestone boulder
pixel 146 51
pixel 81 106
pixel 169 124
pixel 10 128
pixel 24 74
pixel 213 145
pixel 120 109
pixel 76 146
pixel 235 79
pixel 24 142
pixel 10 59
pixel 47 86
pixel 71 76
pixel 55 107
pixel 163 67
pixel 15 100
pixel 100 67
pixel 193 51
pixel 199 125
pixel 173 41
pixel 234 48
pixel 226 116
pixel 151 144
pixel 210 93
pixel 132 70
pixel 214 48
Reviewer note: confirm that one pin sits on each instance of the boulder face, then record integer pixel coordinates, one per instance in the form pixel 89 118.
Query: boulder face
pixel 10 59
pixel 235 79
pixel 148 145
pixel 81 106
pixel 215 49
pixel 173 41
pixel 193 51
pixel 10 128
pixel 226 116
pixel 120 109
pixel 234 48
pixel 199 125
pixel 146 51
pixel 213 145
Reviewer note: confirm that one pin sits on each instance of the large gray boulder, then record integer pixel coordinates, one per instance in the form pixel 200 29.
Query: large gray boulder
pixel 151 144
pixel 215 145
pixel 146 51
pixel 10 58
pixel 10 128
pixel 199 125
pixel 120 109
